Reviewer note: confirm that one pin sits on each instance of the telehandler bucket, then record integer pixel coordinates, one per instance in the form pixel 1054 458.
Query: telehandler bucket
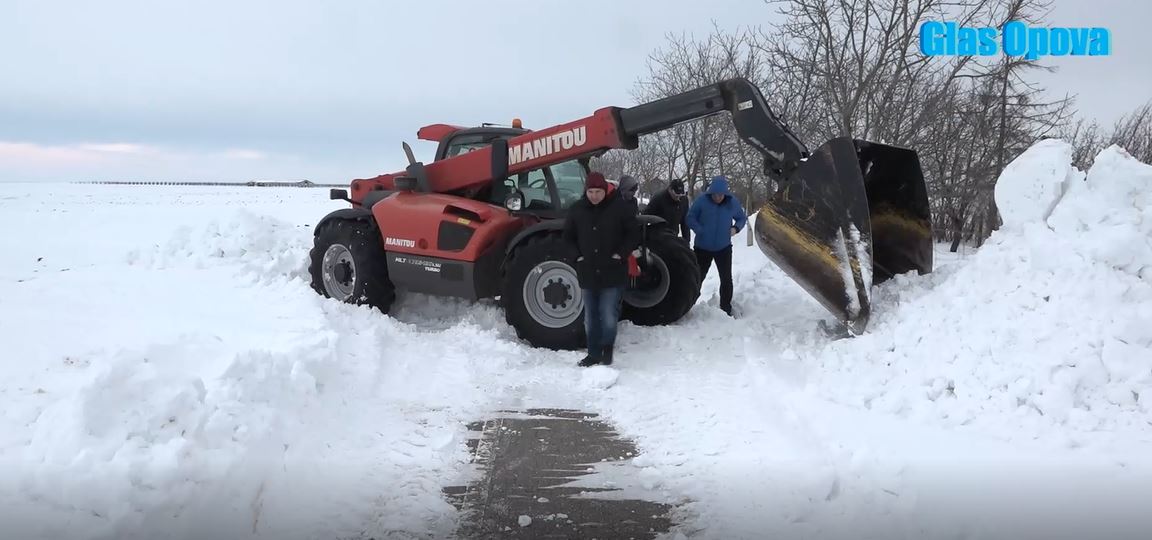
pixel 853 214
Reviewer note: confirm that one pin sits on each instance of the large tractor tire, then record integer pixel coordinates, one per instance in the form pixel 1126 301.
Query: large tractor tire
pixel 541 294
pixel 669 285
pixel 348 263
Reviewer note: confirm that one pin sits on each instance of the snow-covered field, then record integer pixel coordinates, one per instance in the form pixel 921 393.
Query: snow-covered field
pixel 167 373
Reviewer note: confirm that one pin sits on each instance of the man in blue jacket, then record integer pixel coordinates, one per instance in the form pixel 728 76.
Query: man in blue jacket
pixel 716 216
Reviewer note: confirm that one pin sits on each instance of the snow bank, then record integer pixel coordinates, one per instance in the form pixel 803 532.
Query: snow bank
pixel 265 246
pixel 144 437
pixel 1045 332
pixel 194 386
pixel 182 402
pixel 1033 183
pixel 1005 395
pixel 193 440
pixel 1108 218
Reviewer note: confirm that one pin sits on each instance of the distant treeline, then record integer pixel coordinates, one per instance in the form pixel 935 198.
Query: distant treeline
pixel 301 183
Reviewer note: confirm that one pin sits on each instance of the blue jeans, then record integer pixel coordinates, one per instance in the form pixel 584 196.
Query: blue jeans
pixel 601 313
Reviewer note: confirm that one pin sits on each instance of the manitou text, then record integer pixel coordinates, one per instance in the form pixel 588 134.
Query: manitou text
pixel 548 145
pixel 402 242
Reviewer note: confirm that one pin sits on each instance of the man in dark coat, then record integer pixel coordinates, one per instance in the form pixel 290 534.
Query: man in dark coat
pixel 672 205
pixel 604 230
pixel 716 216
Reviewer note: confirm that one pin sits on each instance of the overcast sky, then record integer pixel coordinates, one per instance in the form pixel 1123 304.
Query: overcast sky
pixel 291 89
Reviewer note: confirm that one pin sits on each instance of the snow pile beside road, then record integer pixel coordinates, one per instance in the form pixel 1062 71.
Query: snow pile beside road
pixel 352 432
pixel 1045 332
pixel 144 436
pixel 192 386
pixel 1108 218
pixel 265 246
pixel 1033 183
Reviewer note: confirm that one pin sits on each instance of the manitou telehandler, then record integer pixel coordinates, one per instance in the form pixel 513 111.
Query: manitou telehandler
pixel 484 219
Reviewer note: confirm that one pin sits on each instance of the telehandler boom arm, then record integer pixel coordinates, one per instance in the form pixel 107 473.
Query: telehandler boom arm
pixel 616 128
pixel 755 122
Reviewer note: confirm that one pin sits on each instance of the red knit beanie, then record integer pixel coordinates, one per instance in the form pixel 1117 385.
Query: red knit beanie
pixel 596 181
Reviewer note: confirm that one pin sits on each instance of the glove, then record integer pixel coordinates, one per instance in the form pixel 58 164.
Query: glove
pixel 633 267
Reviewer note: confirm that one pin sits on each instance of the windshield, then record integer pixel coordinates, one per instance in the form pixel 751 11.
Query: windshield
pixel 463 148
pixel 569 178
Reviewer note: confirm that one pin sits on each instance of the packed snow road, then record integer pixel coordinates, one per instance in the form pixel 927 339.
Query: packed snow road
pixel 168 373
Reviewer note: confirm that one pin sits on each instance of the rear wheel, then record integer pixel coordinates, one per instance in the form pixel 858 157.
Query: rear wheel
pixel 348 263
pixel 541 294
pixel 669 284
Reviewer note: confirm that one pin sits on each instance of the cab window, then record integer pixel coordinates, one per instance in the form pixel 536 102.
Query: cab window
pixel 569 177
pixel 533 184
pixel 458 148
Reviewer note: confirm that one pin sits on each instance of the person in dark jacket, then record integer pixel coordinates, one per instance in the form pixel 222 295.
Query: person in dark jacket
pixel 604 231
pixel 716 216
pixel 672 205
pixel 629 187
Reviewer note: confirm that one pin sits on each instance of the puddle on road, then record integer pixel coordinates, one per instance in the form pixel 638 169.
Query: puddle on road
pixel 568 473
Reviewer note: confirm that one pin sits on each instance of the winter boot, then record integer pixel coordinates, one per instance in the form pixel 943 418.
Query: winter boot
pixel 591 360
pixel 606 357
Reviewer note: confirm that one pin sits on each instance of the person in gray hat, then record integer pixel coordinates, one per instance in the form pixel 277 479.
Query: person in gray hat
pixel 629 187
pixel 672 205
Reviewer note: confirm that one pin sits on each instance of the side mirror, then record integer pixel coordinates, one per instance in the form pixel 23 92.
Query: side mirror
pixel 338 195
pixel 514 202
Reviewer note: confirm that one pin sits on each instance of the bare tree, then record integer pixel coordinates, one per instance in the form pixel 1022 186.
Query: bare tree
pixel 699 150
pixel 858 66
pixel 1086 140
pixel 1020 115
pixel 1132 132
pixel 853 68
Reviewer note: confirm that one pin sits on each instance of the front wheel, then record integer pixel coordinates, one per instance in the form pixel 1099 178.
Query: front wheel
pixel 669 284
pixel 541 294
pixel 348 263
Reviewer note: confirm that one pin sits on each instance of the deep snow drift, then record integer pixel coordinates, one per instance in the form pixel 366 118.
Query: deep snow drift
pixel 1048 326
pixel 168 373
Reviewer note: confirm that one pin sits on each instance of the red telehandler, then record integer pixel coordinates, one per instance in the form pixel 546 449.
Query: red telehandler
pixel 483 220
